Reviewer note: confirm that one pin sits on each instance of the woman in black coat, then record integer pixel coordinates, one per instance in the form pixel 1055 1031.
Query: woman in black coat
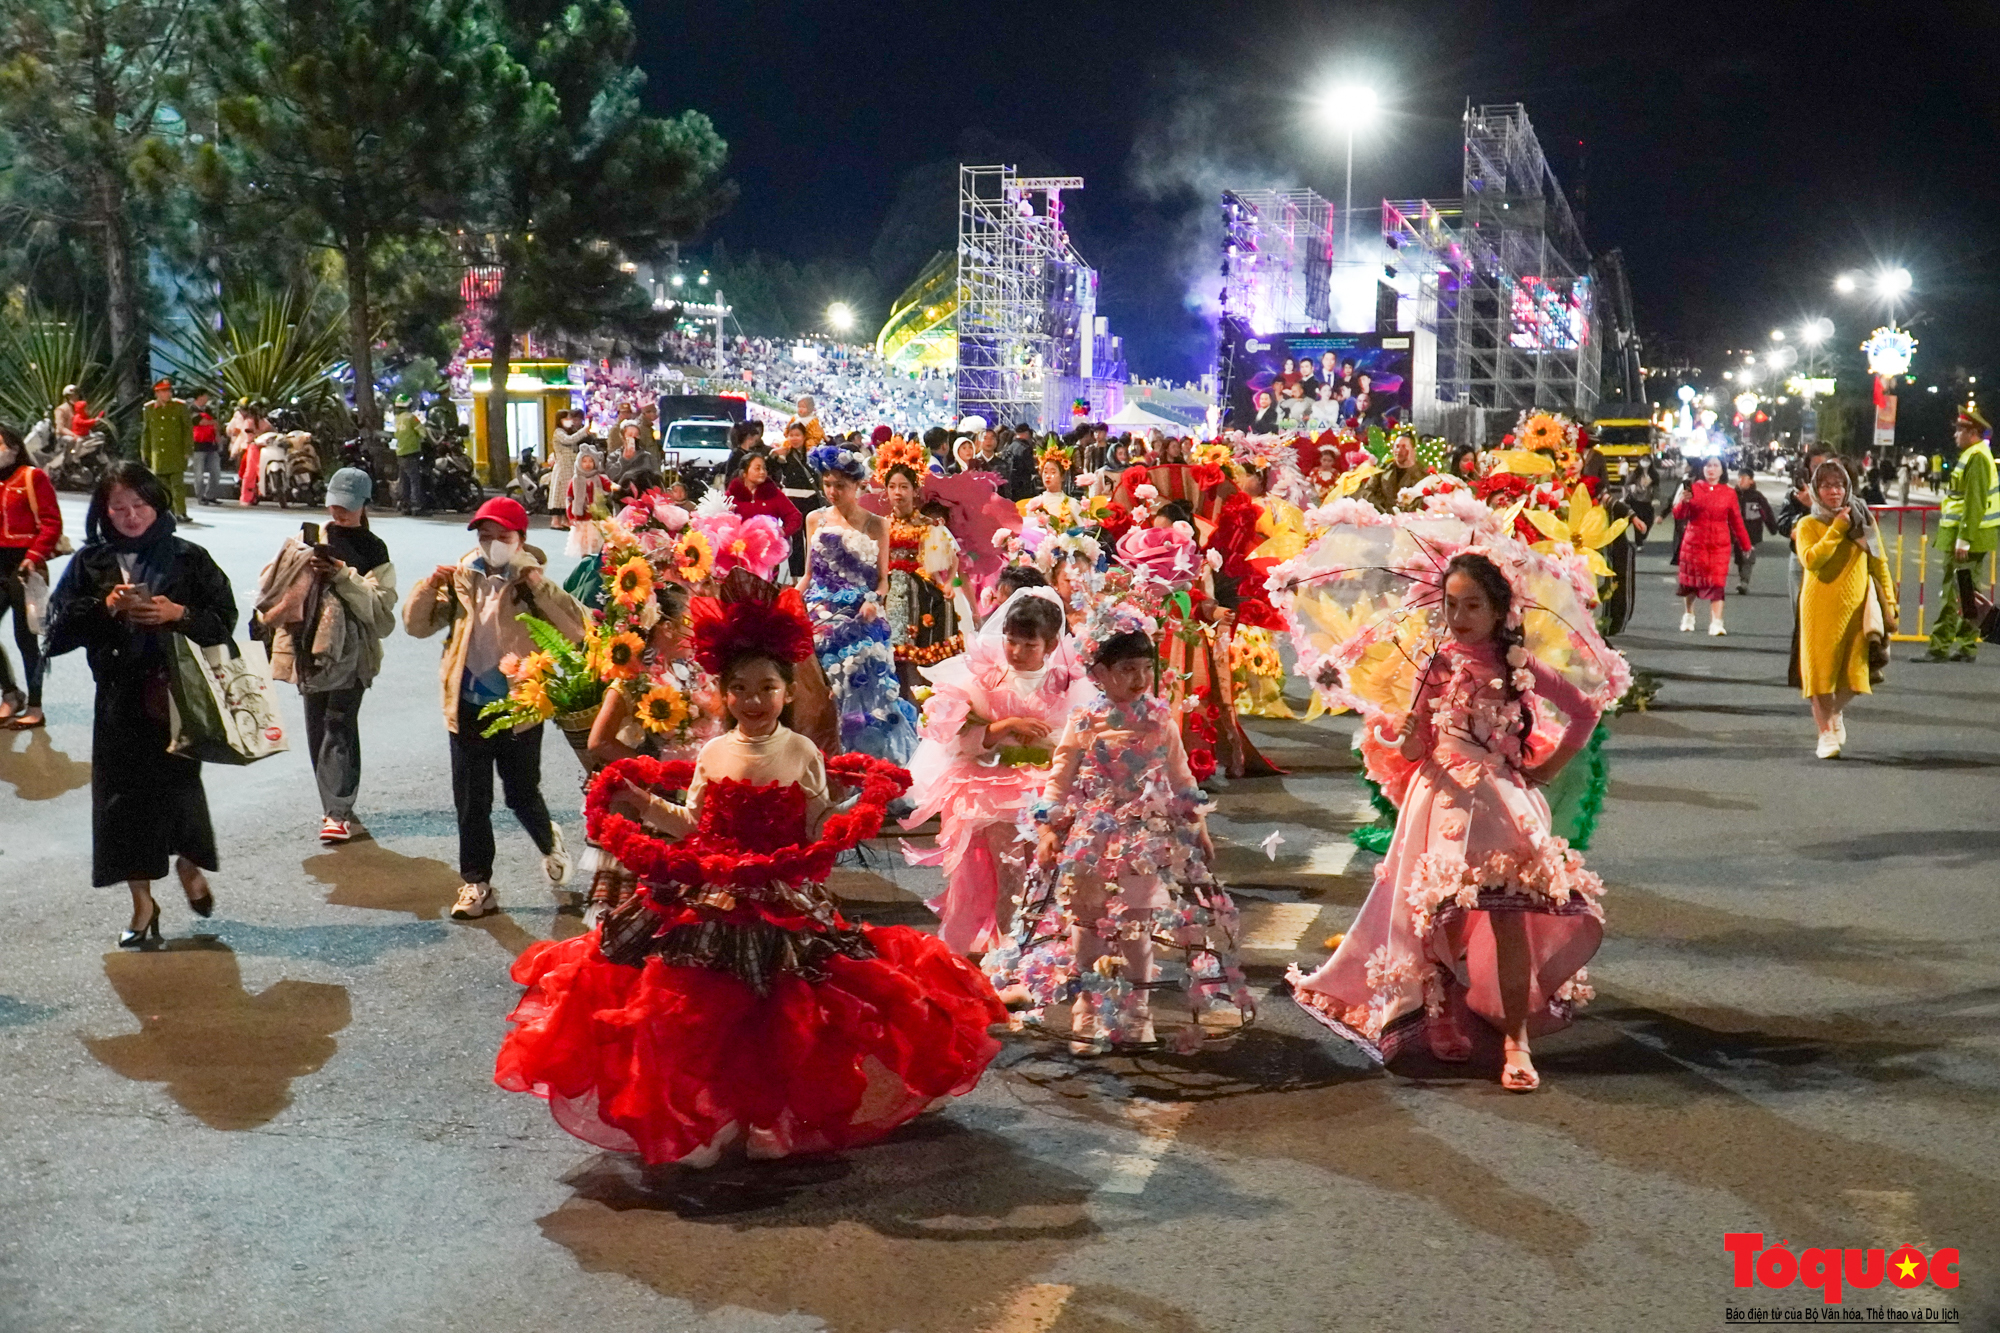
pixel 130 588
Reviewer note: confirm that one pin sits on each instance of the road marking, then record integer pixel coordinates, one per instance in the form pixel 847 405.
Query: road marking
pixel 1276 927
pixel 1157 1125
pixel 1331 858
pixel 1033 1309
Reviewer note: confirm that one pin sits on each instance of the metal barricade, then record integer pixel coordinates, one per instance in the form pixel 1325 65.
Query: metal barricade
pixel 1913 564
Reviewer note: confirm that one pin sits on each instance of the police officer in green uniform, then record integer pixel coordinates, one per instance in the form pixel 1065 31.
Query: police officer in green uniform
pixel 410 458
pixel 166 439
pixel 1968 530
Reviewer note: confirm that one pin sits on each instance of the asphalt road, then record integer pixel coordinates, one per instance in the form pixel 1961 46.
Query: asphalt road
pixel 286 1119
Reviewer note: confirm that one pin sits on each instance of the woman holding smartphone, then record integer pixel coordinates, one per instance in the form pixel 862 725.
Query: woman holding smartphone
pixel 133 584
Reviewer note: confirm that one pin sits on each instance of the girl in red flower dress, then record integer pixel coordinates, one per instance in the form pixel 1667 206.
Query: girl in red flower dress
pixel 729 1003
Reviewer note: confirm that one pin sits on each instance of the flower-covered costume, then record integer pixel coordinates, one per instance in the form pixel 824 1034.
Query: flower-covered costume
pixel 1130 878
pixel 977 791
pixel 730 1001
pixel 854 650
pixel 1472 838
pixel 923 623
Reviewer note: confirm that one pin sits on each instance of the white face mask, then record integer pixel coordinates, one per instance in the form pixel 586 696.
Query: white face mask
pixel 498 554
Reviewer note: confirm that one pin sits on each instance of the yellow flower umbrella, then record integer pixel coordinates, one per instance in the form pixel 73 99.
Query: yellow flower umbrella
pixel 1583 525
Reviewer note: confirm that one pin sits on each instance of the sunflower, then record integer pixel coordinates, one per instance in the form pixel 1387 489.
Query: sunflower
pixel 662 709
pixel 620 656
pixel 693 556
pixel 632 584
pixel 1543 432
pixel 533 694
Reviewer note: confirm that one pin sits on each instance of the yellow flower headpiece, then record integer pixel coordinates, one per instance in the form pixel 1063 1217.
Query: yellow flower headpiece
pixel 1052 452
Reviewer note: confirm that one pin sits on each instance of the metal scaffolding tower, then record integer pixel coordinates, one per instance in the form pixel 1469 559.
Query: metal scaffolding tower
pixel 1506 302
pixel 1026 299
pixel 1277 263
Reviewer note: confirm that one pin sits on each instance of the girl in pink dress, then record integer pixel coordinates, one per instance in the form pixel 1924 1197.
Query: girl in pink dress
pixel 1122 866
pixel 988 732
pixel 1476 903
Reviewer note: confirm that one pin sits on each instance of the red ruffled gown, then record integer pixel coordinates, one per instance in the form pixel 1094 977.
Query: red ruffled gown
pixel 703 1014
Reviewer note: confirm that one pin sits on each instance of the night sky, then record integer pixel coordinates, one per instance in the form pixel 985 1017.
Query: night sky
pixel 1739 154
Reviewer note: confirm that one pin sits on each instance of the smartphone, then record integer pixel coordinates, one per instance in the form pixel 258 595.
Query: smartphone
pixel 309 534
pixel 139 592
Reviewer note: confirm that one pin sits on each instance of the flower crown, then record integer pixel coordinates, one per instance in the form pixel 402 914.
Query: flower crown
pixel 827 458
pixel 772 621
pixel 1052 452
pixel 1109 620
pixel 897 451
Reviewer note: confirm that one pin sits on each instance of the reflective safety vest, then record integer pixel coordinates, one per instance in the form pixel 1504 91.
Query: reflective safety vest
pixel 1954 505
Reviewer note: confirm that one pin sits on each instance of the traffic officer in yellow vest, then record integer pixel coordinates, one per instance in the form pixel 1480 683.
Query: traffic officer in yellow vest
pixel 1968 530
pixel 166 439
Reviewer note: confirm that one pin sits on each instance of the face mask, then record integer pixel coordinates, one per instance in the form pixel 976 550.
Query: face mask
pixel 498 554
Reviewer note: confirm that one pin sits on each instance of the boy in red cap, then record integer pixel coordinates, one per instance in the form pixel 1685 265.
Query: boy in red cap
pixel 476 602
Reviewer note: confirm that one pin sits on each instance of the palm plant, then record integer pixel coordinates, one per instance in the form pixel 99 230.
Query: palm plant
pixel 41 353
pixel 270 347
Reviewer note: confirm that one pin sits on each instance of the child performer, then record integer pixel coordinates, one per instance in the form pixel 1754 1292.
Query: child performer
pixel 729 1002
pixel 1123 852
pixel 988 733
pixel 588 490
pixel 1476 904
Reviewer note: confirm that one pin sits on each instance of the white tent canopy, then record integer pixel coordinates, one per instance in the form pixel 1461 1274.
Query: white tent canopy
pixel 1134 417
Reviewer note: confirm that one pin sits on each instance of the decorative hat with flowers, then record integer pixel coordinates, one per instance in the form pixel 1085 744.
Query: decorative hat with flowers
pixel 1107 621
pixel 899 452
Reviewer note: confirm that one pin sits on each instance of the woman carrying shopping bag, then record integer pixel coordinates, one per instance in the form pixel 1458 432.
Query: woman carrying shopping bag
pixel 131 588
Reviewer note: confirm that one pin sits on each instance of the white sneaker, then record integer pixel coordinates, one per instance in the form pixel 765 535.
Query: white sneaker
pixel 1829 745
pixel 1687 622
pixel 556 864
pixel 474 901
pixel 1715 628
pixel 1840 729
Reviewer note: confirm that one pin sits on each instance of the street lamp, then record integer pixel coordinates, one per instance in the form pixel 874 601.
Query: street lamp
pixel 1348 107
pixel 1816 331
pixel 1845 284
pixel 840 317
pixel 1777 335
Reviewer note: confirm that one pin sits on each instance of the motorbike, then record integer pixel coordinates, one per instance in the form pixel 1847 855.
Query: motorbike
pixel 274 472
pixel 369 454
pixel 530 484
pixel 304 482
pixel 71 464
pixel 454 479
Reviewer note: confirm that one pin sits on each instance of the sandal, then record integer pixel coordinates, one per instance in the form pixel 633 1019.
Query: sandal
pixel 11 703
pixel 1447 1040
pixel 27 719
pixel 1518 1077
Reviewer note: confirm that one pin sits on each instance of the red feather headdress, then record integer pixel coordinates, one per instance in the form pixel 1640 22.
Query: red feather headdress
pixel 751 616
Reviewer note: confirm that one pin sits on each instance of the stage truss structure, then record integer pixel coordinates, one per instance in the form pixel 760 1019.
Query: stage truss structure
pixel 1277 260
pixel 1026 300
pixel 1506 309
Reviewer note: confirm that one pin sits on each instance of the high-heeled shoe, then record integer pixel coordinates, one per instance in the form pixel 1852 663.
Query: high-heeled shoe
pixel 205 905
pixel 136 939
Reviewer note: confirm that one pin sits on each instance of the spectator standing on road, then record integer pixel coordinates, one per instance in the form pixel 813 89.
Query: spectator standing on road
pixel 1967 531
pixel 207 448
pixel 1840 547
pixel 1713 527
pixel 243 430
pixel 1017 465
pixel 1757 516
pixel 131 587
pixel 795 477
pixel 410 489
pixel 166 435
pixel 572 434
pixel 30 530
pixel 327 610
pixel 755 491
pixel 476 603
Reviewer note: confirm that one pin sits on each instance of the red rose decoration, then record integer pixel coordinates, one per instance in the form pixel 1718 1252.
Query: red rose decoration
pixel 1201 763
pixel 1207 475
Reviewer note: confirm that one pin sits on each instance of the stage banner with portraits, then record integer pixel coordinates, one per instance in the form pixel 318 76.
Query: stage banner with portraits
pixel 1315 381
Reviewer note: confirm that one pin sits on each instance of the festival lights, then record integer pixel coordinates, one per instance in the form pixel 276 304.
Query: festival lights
pixel 840 317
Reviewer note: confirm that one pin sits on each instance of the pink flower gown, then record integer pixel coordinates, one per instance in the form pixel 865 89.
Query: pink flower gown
pixel 1472 838
pixel 978 791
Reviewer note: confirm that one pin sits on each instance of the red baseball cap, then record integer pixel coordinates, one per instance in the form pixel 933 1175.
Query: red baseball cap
pixel 504 510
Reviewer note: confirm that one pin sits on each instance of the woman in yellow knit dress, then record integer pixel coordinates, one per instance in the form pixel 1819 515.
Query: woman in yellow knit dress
pixel 1841 549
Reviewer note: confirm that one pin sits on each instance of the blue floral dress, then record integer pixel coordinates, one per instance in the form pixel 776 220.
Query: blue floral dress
pixel 854 651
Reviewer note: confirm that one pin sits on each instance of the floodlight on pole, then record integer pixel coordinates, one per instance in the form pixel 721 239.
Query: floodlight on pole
pixel 840 317
pixel 1348 107
pixel 1777 335
pixel 1845 284
pixel 1891 283
pixel 1816 331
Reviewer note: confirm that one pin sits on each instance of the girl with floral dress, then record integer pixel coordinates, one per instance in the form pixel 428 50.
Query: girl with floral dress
pixel 1476 904
pixel 729 1002
pixel 846 581
pixel 1122 852
pixel 989 730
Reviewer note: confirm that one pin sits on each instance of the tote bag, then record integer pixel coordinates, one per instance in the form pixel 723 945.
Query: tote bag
pixel 219 706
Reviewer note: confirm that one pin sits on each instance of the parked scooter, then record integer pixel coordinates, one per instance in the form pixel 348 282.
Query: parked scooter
pixel 454 479
pixel 530 484
pixel 305 483
pixel 367 452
